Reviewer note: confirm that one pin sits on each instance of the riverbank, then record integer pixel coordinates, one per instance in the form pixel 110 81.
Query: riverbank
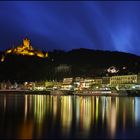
pixel 64 93
pixel 23 92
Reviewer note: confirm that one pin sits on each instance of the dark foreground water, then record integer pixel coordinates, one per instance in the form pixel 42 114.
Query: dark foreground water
pixel 45 116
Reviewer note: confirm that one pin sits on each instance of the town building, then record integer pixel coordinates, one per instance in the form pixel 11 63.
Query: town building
pixel 87 83
pixel 67 84
pixel 105 80
pixel 39 85
pixel 124 81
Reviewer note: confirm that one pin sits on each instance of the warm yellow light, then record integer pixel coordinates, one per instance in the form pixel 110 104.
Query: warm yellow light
pixel 31 53
pixel 39 54
pixel 26 49
pixel 46 55
pixel 3 58
pixel 26 42
pixel 8 51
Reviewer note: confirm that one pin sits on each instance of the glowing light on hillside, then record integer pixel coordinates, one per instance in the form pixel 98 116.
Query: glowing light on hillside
pixel 2 58
pixel 26 49
pixel 112 70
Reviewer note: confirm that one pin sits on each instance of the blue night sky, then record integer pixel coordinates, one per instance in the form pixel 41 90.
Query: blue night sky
pixel 64 25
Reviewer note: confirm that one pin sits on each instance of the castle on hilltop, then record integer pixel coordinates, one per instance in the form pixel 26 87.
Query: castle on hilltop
pixel 26 49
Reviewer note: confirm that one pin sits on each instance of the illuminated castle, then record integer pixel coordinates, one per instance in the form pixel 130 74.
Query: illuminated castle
pixel 26 49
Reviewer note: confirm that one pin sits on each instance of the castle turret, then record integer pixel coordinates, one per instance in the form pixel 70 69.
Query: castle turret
pixel 26 43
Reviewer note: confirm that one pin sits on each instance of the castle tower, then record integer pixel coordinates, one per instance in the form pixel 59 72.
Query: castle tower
pixel 26 43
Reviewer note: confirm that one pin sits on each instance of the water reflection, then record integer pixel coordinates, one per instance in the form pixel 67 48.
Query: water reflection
pixel 137 111
pixel 25 131
pixel 55 107
pixel 112 117
pixel 66 113
pixel 26 108
pixel 39 107
pixel 43 116
pixel 85 113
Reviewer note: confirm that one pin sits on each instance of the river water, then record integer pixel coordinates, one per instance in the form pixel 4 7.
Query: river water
pixel 44 116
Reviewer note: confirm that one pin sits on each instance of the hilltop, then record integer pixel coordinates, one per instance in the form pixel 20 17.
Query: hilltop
pixel 25 49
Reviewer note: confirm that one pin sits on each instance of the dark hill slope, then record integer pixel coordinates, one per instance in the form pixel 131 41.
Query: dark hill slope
pixel 82 62
pixel 97 59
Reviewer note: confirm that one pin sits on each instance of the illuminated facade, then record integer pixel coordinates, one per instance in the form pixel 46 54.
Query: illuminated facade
pixel 106 80
pixel 130 82
pixel 39 86
pixel 124 79
pixel 87 83
pixel 67 84
pixel 26 49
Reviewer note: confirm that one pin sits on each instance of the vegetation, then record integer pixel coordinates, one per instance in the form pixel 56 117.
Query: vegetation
pixel 59 64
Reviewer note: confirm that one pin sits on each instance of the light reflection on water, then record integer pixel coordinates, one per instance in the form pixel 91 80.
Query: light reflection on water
pixel 66 114
pixel 44 116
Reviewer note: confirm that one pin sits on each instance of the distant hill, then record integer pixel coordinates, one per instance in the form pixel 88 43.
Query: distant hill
pixel 95 58
pixel 59 64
